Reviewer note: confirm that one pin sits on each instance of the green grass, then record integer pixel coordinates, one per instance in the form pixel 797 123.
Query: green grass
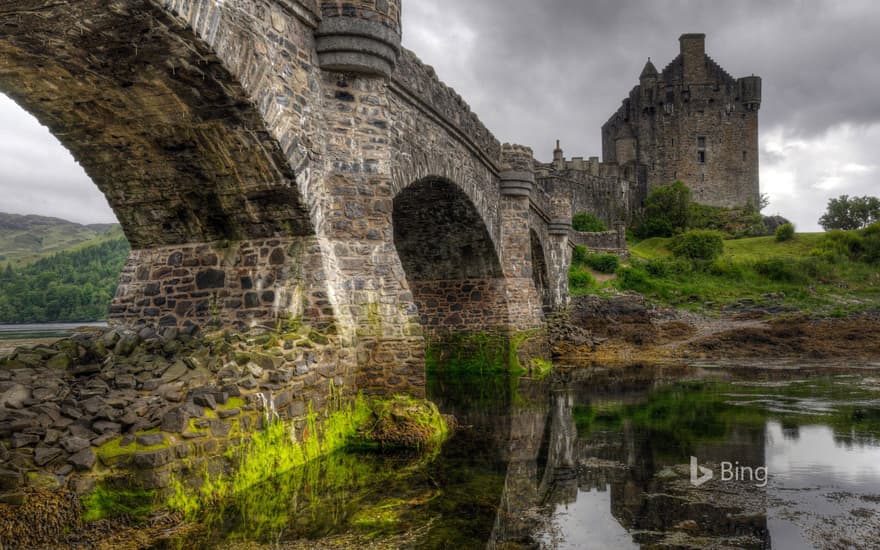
pixel 754 268
pixel 752 249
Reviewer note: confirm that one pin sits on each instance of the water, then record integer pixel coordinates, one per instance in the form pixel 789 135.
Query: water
pixel 597 458
pixel 44 330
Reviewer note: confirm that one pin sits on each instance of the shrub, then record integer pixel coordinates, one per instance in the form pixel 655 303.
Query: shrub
pixel 727 268
pixel 785 232
pixel 634 278
pixel 779 270
pixel 603 263
pixel 871 243
pixel 698 245
pixel 664 267
pixel 584 221
pixel 791 270
pixel 579 279
pixel 579 255
pixel 654 227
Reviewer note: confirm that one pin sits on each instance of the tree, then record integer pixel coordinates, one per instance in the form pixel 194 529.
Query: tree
pixel 586 222
pixel 667 211
pixel 847 213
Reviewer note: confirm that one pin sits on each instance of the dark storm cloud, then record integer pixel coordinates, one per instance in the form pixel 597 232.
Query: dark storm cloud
pixel 538 70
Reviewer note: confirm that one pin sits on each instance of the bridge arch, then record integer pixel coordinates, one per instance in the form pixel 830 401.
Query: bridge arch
pixel 449 258
pixel 540 272
pixel 164 130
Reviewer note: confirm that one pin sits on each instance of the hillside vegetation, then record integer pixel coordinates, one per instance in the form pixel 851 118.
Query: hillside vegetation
pixel 70 286
pixel 834 273
pixel 26 239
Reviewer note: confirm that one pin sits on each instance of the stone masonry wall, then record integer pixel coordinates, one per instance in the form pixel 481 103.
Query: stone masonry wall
pixel 472 304
pixel 239 284
pixel 606 241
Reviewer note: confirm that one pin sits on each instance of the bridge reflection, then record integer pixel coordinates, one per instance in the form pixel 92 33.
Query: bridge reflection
pixel 580 475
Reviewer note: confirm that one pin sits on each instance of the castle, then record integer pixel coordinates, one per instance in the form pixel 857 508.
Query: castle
pixel 691 122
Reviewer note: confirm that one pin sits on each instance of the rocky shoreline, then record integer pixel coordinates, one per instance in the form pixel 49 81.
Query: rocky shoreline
pixel 625 328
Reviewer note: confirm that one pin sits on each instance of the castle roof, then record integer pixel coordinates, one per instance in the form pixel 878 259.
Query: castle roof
pixel 649 70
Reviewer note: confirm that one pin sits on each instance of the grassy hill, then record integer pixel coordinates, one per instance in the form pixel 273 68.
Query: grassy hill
pixel 53 270
pixel 752 249
pixel 26 239
pixel 812 273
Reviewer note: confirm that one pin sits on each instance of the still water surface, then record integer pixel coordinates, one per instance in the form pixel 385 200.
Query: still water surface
pixel 597 458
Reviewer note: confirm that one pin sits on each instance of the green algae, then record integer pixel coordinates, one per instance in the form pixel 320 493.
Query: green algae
pixel 113 452
pixel 276 449
pixel 404 422
pixel 541 368
pixel 106 501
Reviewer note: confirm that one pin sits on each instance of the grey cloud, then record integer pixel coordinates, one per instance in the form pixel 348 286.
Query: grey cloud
pixel 557 69
pixel 560 68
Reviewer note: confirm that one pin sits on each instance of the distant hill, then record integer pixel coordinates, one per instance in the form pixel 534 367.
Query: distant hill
pixel 69 286
pixel 26 239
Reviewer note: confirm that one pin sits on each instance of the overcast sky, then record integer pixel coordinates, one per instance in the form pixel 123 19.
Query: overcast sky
pixel 557 69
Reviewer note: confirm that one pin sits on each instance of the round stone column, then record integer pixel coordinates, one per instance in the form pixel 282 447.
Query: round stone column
pixel 359 37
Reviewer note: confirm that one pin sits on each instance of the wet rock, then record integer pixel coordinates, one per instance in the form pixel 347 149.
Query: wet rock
pixel 229 413
pixel 60 361
pixel 75 444
pixel 219 428
pixel 126 344
pixel 70 411
pixel 86 370
pixel 175 420
pixel 15 396
pixel 153 459
pixel 254 369
pixel 92 405
pixel 23 440
pixel 84 460
pixel 282 399
pixel 125 381
pixel 109 338
pixel 82 431
pixel 149 440
pixel 174 372
pixel 205 400
pixel 248 383
pixel 44 455
pixel 105 427
pixel 52 437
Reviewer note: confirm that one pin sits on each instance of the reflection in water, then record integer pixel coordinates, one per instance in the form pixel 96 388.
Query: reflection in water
pixel 599 458
pixel 587 522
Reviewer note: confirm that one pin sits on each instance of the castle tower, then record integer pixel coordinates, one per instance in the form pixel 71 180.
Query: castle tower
pixel 692 122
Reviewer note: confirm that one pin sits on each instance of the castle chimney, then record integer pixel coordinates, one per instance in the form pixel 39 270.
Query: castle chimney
pixel 558 157
pixel 693 54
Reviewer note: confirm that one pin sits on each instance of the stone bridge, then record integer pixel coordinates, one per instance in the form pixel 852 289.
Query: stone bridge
pixel 286 159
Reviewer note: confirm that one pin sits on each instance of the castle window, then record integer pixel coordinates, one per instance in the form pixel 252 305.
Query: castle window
pixel 744 156
pixel 701 150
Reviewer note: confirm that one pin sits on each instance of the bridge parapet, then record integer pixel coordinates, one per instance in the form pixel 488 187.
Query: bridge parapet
pixel 419 84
